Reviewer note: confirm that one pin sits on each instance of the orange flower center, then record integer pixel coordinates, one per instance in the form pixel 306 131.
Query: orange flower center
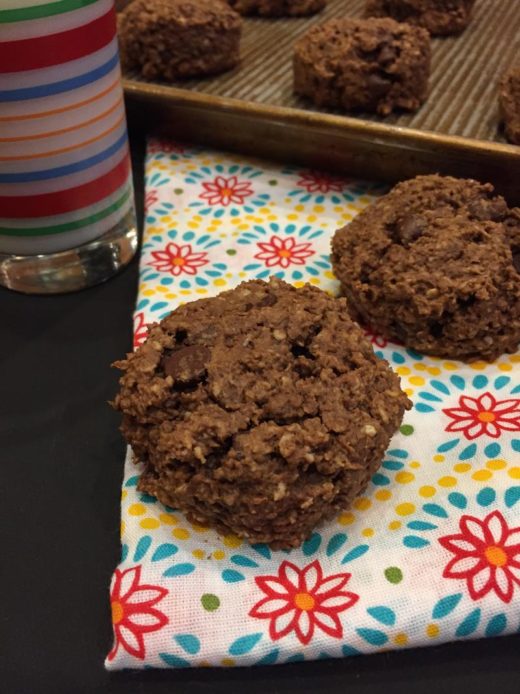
pixel 178 261
pixel 304 601
pixel 226 192
pixel 284 254
pixel 117 612
pixel 495 555
pixel 486 416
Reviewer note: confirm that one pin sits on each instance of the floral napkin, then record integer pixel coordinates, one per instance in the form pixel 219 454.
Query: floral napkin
pixel 429 553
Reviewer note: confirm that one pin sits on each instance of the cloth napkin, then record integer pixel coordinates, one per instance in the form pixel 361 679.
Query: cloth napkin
pixel 429 553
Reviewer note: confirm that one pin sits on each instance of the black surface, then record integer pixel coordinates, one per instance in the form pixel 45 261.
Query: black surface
pixel 62 462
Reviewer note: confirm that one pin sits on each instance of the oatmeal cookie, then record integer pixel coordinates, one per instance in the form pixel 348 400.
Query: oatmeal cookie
pixel 278 8
pixel 261 412
pixel 435 264
pixel 509 100
pixel 440 17
pixel 363 64
pixel 175 39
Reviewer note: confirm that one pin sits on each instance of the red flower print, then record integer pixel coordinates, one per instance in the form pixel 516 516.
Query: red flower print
pixel 375 339
pixel 302 600
pixel 160 146
pixel 140 329
pixel 318 182
pixel 487 555
pixel 222 191
pixel 150 199
pixel 283 252
pixel 133 611
pixel 178 259
pixel 484 416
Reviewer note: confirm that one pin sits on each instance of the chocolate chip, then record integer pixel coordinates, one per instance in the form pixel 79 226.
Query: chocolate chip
pixel 378 85
pixel 407 229
pixel 484 210
pixel 516 260
pixel 187 363
pixel 411 228
pixel 268 300
pixel 387 54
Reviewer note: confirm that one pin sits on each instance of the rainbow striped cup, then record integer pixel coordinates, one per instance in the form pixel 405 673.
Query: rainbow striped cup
pixel 66 199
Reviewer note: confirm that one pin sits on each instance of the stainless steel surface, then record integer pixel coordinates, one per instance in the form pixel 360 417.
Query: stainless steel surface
pixel 74 269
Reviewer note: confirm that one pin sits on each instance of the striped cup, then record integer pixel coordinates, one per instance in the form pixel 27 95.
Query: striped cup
pixel 65 176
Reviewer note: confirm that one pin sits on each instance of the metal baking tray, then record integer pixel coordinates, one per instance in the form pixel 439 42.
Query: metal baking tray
pixel 252 109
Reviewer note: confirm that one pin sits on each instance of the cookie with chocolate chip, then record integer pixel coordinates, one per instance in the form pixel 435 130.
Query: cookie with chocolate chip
pixel 376 65
pixel 439 17
pixel 509 102
pixel 177 39
pixel 261 412
pixel 435 264
pixel 278 8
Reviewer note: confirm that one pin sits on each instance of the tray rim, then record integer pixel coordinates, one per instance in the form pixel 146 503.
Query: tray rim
pixel 401 136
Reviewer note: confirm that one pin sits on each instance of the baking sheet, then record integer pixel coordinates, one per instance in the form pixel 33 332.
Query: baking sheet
pixel 460 115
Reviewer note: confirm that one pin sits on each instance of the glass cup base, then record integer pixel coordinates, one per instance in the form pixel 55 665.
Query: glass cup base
pixel 74 269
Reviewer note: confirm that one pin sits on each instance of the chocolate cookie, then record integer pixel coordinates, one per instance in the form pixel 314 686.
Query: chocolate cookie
pixel 509 100
pixel 363 64
pixel 278 8
pixel 172 39
pixel 260 412
pixel 440 17
pixel 435 264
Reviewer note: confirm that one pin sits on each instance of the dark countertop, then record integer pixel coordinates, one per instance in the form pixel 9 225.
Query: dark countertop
pixel 63 457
